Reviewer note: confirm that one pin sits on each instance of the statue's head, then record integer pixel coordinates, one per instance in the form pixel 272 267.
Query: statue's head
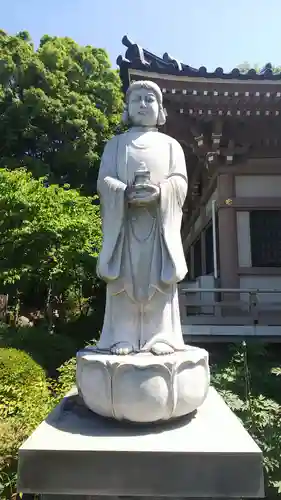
pixel 144 105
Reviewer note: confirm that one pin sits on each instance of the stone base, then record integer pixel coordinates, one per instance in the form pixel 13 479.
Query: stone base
pixel 142 387
pixel 75 452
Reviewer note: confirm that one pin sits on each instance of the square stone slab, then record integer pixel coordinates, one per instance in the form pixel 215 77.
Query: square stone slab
pixel 76 452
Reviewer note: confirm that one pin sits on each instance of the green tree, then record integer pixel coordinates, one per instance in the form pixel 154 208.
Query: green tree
pixel 50 238
pixel 58 105
pixel 245 67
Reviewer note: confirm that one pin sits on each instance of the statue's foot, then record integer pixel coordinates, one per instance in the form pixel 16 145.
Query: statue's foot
pixel 160 348
pixel 122 348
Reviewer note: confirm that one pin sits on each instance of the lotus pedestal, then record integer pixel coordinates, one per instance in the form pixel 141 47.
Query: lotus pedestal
pixel 143 387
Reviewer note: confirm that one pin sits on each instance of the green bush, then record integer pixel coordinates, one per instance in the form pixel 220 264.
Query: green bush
pixel 23 390
pixel 24 402
pixel 248 381
pixel 65 380
pixel 48 350
pixel 12 434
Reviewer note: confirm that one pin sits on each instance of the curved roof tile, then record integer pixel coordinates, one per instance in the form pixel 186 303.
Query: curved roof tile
pixel 141 59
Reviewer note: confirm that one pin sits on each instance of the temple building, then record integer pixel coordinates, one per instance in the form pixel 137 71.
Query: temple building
pixel 229 125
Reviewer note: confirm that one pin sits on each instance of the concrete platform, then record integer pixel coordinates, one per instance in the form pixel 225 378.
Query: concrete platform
pixel 75 452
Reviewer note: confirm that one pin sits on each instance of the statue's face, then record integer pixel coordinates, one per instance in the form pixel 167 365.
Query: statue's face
pixel 143 108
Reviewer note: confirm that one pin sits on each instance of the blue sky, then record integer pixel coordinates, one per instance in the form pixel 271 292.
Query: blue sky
pixel 210 32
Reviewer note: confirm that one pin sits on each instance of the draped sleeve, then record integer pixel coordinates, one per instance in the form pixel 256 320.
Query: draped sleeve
pixel 173 192
pixel 112 197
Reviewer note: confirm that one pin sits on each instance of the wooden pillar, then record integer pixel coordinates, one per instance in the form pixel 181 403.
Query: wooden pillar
pixel 203 241
pixel 203 253
pixel 192 262
pixel 227 229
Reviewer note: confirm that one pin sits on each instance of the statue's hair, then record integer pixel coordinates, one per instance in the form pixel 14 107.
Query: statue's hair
pixel 145 84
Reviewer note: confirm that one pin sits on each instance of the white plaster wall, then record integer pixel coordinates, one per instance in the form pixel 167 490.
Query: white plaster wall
pixel 258 185
pixel 244 239
pixel 262 282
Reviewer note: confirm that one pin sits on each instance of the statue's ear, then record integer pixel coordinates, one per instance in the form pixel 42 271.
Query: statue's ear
pixel 161 116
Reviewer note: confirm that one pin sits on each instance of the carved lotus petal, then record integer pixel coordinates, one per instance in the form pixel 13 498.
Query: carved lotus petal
pixel 143 387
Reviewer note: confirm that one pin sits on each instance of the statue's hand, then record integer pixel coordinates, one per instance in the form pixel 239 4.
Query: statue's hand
pixel 142 194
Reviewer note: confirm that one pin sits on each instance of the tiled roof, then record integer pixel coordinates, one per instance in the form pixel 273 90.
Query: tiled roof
pixel 138 58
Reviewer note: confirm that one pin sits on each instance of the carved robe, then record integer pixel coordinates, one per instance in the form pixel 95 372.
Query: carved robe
pixel 142 257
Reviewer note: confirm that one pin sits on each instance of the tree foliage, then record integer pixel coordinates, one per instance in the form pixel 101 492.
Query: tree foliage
pixel 58 105
pixel 245 67
pixel 50 237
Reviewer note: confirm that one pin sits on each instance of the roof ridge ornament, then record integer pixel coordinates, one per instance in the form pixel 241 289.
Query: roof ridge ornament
pixel 266 70
pixel 135 50
pixel 169 59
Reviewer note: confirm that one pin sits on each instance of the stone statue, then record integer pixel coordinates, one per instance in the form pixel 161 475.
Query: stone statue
pixel 142 185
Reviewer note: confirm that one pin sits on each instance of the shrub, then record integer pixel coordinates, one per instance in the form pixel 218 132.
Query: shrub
pixel 24 402
pixel 65 381
pixel 248 381
pixel 12 434
pixel 23 390
pixel 48 350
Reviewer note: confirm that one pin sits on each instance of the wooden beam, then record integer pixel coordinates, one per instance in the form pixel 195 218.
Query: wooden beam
pixel 251 203
pixel 254 166
pixel 189 221
pixel 217 133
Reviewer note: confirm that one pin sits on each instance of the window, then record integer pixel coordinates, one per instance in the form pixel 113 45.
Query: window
pixel 265 231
